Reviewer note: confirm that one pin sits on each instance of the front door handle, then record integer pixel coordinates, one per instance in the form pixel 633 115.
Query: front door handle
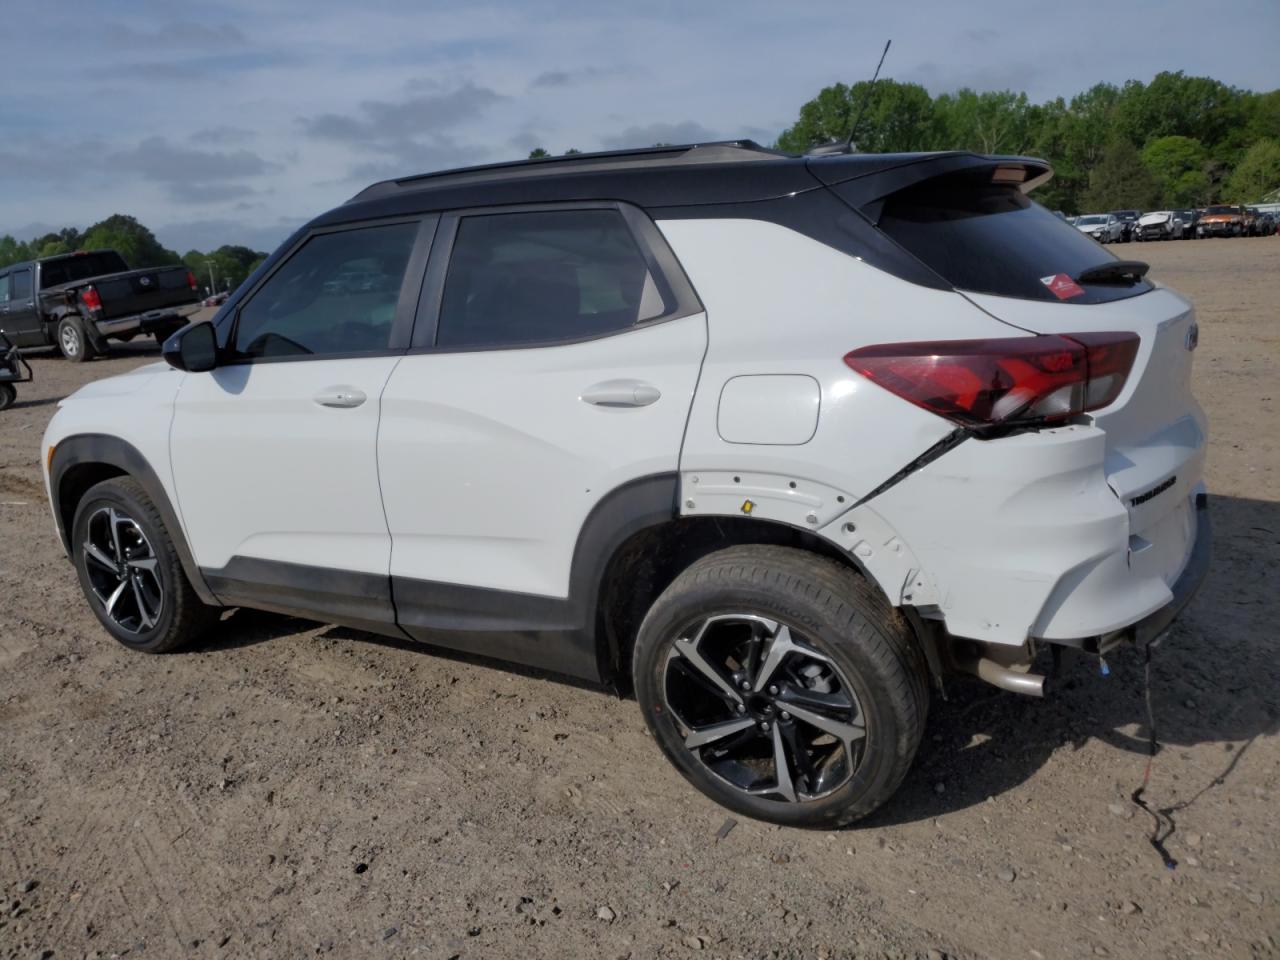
pixel 621 393
pixel 343 397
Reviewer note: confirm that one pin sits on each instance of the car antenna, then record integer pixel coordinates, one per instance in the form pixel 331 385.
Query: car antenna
pixel 846 145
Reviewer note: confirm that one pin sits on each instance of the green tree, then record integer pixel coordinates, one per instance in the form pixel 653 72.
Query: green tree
pixel 1120 181
pixel 1257 174
pixel 538 153
pixel 989 122
pixel 132 240
pixel 895 117
pixel 1178 165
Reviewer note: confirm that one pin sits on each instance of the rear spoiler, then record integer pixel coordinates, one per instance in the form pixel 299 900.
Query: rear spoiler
pixel 864 182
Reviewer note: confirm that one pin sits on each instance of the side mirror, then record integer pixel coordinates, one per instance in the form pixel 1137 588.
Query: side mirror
pixel 193 349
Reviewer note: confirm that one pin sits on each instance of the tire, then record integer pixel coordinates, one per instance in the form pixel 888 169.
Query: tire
pixel 73 341
pixel 8 394
pixel 843 644
pixel 146 601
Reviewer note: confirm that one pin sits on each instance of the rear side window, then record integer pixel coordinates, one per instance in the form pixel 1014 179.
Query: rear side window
pixel 544 277
pixel 989 237
pixel 4 289
pixel 20 285
pixel 336 295
pixel 81 266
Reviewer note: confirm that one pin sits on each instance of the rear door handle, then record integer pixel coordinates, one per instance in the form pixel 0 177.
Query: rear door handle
pixel 344 397
pixel 621 393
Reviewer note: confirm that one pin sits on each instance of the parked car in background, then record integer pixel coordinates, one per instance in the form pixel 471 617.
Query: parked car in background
pixel 1223 220
pixel 1128 222
pixel 1103 227
pixel 79 301
pixel 562 390
pixel 1257 223
pixel 1190 223
pixel 1158 225
pixel 217 300
pixel 1266 224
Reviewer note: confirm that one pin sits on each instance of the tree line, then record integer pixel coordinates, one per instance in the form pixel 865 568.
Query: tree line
pixel 225 268
pixel 1177 141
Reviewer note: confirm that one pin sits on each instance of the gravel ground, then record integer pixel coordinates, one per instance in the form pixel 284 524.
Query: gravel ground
pixel 290 789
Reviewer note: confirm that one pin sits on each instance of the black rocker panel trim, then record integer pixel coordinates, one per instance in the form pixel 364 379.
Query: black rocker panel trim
pixel 350 598
pixel 555 633
pixel 88 449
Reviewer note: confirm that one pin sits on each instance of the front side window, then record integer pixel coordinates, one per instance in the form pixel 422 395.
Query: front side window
pixel 20 285
pixel 335 295
pixel 544 277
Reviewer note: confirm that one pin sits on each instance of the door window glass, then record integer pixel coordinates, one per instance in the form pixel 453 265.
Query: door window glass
pixel 336 295
pixel 544 277
pixel 20 285
pixel 4 289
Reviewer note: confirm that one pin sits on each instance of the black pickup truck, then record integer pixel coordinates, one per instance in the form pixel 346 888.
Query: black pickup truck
pixel 79 301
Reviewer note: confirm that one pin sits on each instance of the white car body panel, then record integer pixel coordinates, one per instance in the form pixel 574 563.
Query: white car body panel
pixel 491 461
pixel 265 472
pixel 136 406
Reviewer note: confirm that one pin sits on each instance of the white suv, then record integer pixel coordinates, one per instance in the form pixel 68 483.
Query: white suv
pixel 778 442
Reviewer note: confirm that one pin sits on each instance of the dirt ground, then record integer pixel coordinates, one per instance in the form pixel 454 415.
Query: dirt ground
pixel 290 789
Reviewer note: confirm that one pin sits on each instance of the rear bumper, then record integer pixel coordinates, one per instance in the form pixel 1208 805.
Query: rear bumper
pixel 1184 588
pixel 166 321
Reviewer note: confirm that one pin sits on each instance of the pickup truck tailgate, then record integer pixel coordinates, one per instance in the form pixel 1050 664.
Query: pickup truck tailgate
pixel 141 291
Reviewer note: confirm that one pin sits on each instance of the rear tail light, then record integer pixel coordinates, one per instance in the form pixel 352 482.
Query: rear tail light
pixel 191 280
pixel 1005 382
pixel 91 299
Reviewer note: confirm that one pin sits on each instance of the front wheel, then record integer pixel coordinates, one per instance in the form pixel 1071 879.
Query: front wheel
pixel 782 685
pixel 130 572
pixel 73 340
pixel 8 394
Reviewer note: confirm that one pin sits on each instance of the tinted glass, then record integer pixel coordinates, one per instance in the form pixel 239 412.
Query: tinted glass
pixel 524 278
pixel 80 266
pixel 20 285
pixel 337 294
pixel 4 288
pixel 991 238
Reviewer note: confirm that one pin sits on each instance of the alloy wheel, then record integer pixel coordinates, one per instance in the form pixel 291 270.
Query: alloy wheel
pixel 762 709
pixel 70 340
pixel 123 570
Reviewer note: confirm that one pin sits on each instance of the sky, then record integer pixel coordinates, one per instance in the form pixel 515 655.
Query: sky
pixel 234 122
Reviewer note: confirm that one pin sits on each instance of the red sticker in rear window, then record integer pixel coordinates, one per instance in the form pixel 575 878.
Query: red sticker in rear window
pixel 1062 286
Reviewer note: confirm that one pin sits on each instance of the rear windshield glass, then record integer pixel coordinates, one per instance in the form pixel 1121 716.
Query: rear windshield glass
pixel 991 238
pixel 80 266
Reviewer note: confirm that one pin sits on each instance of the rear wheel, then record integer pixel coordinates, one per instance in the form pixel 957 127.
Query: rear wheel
pixel 73 341
pixel 782 685
pixel 130 572
pixel 7 395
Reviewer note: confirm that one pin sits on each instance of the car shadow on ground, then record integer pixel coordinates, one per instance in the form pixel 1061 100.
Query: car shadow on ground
pixel 1214 679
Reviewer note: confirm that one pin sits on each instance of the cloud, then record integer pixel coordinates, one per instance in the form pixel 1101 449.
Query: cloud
pixel 649 134
pixel 222 134
pixel 552 78
pixel 157 159
pixel 209 234
pixel 196 193
pixel 380 120
pixel 178 33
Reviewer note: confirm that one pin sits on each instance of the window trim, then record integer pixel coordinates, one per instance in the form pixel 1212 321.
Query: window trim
pixel 406 300
pixel 673 283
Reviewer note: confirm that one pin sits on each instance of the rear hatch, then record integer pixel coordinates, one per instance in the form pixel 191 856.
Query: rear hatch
pixel 979 231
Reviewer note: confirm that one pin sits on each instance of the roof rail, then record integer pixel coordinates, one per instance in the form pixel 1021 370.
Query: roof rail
pixel 722 151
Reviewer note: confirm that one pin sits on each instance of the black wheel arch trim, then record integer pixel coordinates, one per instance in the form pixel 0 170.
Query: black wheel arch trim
pixel 87 449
